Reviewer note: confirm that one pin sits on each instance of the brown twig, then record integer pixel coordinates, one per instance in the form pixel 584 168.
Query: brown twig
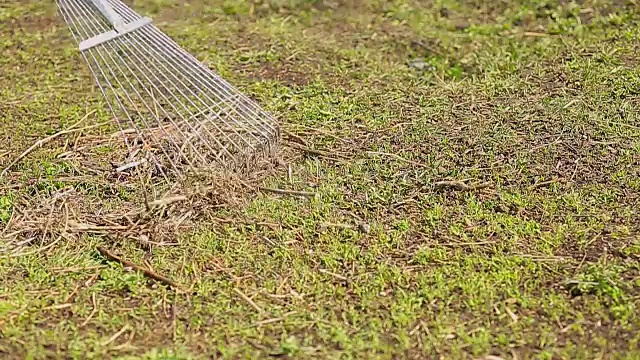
pixel 468 243
pixel 73 293
pixel 146 272
pixel 58 307
pixel 512 315
pixel 6 227
pixel 554 142
pixel 296 138
pixel 272 226
pixel 425 46
pixel 623 124
pixel 460 186
pixel 337 276
pixel 323 132
pixel 53 243
pixel 272 320
pixel 534 34
pixel 41 142
pixel 116 335
pixel 95 309
pixel 320 153
pixel 543 183
pixel 33 292
pixel 90 228
pixel 64 270
pixel 288 192
pixel 397 157
pixel 248 300
pixel 168 200
pixel 542 258
pixel 362 227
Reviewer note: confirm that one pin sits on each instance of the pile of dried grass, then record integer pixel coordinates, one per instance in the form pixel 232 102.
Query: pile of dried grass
pixel 148 215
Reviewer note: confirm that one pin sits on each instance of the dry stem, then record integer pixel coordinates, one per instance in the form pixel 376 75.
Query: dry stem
pixel 460 186
pixel 248 300
pixel 288 192
pixel 146 272
pixel 41 142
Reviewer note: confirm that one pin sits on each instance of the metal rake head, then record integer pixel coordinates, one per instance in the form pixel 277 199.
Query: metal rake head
pixel 182 115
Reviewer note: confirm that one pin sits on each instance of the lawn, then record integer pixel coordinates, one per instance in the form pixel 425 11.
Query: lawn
pixel 471 179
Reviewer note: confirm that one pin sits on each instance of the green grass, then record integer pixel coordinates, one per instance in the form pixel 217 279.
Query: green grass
pixel 537 99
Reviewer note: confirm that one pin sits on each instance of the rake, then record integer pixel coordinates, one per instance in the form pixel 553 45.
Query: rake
pixel 175 114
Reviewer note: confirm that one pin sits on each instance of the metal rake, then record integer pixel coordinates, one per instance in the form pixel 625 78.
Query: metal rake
pixel 179 115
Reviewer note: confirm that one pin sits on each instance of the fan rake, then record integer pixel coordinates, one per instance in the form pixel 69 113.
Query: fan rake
pixel 177 116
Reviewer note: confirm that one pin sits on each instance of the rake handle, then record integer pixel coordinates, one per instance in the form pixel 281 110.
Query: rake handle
pixel 108 12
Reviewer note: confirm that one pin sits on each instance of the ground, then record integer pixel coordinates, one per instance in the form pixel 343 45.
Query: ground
pixel 475 188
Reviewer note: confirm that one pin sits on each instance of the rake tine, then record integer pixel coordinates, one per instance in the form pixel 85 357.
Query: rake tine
pixel 187 118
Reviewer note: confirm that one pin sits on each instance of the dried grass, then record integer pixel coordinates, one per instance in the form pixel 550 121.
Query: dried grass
pixel 155 213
